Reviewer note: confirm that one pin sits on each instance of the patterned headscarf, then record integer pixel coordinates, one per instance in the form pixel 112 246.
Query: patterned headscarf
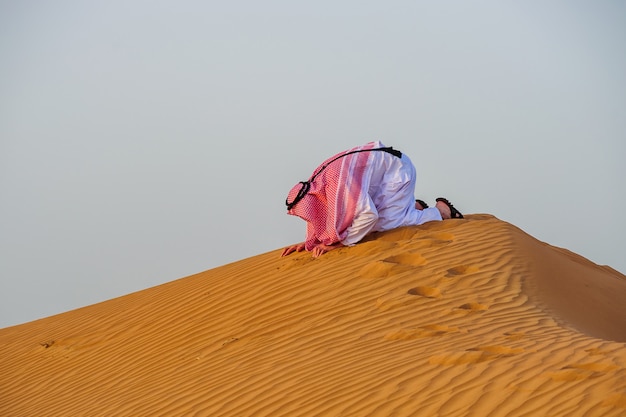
pixel 334 189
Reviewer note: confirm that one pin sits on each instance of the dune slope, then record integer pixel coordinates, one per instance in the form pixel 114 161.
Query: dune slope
pixel 455 318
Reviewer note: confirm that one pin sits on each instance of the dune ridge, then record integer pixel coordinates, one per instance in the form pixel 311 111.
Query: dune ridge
pixel 454 318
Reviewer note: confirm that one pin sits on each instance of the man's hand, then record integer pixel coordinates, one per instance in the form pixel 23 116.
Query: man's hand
pixel 299 247
pixel 317 251
pixel 321 249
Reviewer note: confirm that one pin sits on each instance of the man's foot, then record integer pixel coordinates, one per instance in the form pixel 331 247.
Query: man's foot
pixel 447 210
pixel 420 204
pixel 444 210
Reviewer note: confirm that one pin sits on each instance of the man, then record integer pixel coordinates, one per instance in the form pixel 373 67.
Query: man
pixel 362 190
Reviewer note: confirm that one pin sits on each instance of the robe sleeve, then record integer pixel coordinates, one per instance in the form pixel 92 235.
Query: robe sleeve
pixel 364 221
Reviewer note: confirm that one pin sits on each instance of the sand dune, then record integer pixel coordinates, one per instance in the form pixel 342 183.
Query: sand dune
pixel 465 317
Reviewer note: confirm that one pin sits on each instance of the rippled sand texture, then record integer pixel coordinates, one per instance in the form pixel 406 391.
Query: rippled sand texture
pixel 457 318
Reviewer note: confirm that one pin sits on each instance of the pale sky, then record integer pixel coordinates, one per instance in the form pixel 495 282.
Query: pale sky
pixel 145 141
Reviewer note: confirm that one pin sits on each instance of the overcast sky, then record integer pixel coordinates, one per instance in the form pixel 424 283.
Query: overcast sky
pixel 145 141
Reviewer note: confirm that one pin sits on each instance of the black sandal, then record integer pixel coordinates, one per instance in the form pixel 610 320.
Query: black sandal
pixel 421 203
pixel 454 213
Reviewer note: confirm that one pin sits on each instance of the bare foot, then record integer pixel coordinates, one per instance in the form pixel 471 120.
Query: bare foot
pixel 444 210
pixel 420 205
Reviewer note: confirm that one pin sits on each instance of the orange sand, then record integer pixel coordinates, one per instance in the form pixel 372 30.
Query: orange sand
pixel 457 318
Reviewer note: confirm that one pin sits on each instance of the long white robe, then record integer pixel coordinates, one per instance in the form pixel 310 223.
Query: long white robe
pixel 389 201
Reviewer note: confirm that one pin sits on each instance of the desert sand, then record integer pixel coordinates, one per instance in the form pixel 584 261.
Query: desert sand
pixel 469 317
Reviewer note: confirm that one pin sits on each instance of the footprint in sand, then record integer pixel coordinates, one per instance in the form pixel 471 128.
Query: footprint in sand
pixel 514 336
pixel 230 340
pixel 408 258
pixel 47 344
pixel 398 297
pixel 428 292
pixel 377 269
pixel 392 265
pixel 471 308
pixel 461 270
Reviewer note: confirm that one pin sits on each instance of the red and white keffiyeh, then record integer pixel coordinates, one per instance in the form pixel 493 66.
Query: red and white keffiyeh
pixel 329 207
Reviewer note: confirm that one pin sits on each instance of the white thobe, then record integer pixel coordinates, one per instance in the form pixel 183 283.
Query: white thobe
pixel 389 202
